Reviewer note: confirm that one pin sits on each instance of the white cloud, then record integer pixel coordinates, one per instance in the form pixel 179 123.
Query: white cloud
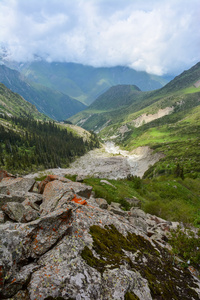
pixel 156 36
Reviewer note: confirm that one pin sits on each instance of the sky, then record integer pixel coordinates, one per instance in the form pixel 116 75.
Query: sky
pixel 157 36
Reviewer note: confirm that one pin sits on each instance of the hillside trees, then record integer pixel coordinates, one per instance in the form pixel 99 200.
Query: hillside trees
pixel 28 144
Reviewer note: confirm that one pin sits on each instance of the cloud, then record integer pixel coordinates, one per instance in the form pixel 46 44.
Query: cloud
pixel 155 36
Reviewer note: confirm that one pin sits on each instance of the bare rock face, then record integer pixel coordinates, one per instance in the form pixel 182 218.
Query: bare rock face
pixel 78 249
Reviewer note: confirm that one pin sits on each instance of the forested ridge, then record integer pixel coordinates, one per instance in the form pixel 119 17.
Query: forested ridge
pixel 27 145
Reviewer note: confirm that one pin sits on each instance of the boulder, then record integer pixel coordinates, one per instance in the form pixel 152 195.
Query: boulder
pixel 102 203
pixel 14 211
pixel 48 179
pixel 17 282
pixel 4 199
pixel 115 208
pixel 16 186
pixel 80 178
pixel 136 212
pixel 40 235
pixel 33 200
pixel 81 189
pixel 56 194
pixel 17 212
pixel 30 215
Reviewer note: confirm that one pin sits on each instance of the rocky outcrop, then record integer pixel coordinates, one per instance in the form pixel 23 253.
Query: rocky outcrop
pixel 79 247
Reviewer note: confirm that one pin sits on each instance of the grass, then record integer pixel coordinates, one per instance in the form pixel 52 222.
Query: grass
pixel 168 197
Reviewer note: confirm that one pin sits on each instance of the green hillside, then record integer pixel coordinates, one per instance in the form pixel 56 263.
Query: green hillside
pixel 86 83
pixel 167 120
pixel 55 104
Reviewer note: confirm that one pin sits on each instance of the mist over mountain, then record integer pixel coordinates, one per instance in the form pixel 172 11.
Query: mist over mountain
pixel 55 104
pixel 82 82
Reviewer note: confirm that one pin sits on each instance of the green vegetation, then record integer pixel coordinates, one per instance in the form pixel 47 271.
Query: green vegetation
pixel 164 275
pixel 186 244
pixel 168 197
pixel 28 145
pixel 131 296
pixel 120 190
pixel 13 104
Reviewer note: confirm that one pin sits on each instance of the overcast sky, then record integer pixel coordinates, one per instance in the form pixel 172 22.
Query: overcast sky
pixel 157 36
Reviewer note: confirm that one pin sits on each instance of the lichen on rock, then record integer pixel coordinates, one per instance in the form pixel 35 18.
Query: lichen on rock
pixel 78 249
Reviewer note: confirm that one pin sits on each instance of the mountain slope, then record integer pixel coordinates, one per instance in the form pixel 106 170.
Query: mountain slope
pixel 86 83
pixel 12 104
pixel 55 104
pixel 167 120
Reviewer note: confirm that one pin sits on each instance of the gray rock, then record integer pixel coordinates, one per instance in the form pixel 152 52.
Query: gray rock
pixel 81 189
pixel 80 178
pixel 2 217
pixel 30 215
pixel 20 279
pixel 57 256
pixel 16 186
pixel 115 205
pixel 11 198
pixel 116 210
pixel 138 222
pixel 55 195
pixel 134 202
pixel 102 203
pixel 33 200
pixel 14 211
pixel 40 235
pixel 108 183
pixel 136 212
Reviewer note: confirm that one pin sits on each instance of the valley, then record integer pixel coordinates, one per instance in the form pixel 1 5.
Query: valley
pixel 109 161
pixel 119 195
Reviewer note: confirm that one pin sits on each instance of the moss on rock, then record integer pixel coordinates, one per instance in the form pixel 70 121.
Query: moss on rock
pixel 166 279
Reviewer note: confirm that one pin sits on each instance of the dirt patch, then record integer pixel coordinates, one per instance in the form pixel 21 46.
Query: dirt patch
pixel 143 119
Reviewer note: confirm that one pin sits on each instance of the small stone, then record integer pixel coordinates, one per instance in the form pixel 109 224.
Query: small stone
pixel 136 212
pixel 134 202
pixel 102 203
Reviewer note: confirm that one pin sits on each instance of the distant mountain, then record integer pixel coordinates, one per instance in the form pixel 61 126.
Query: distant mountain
pixel 167 119
pixel 86 83
pixel 115 97
pixel 55 104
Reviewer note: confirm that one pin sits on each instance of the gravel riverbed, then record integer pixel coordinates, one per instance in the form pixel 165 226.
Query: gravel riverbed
pixel 110 162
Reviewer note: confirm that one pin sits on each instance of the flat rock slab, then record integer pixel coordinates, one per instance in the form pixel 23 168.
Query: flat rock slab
pixel 15 186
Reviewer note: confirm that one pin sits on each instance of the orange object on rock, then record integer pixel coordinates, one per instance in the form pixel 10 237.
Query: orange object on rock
pixel 79 200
